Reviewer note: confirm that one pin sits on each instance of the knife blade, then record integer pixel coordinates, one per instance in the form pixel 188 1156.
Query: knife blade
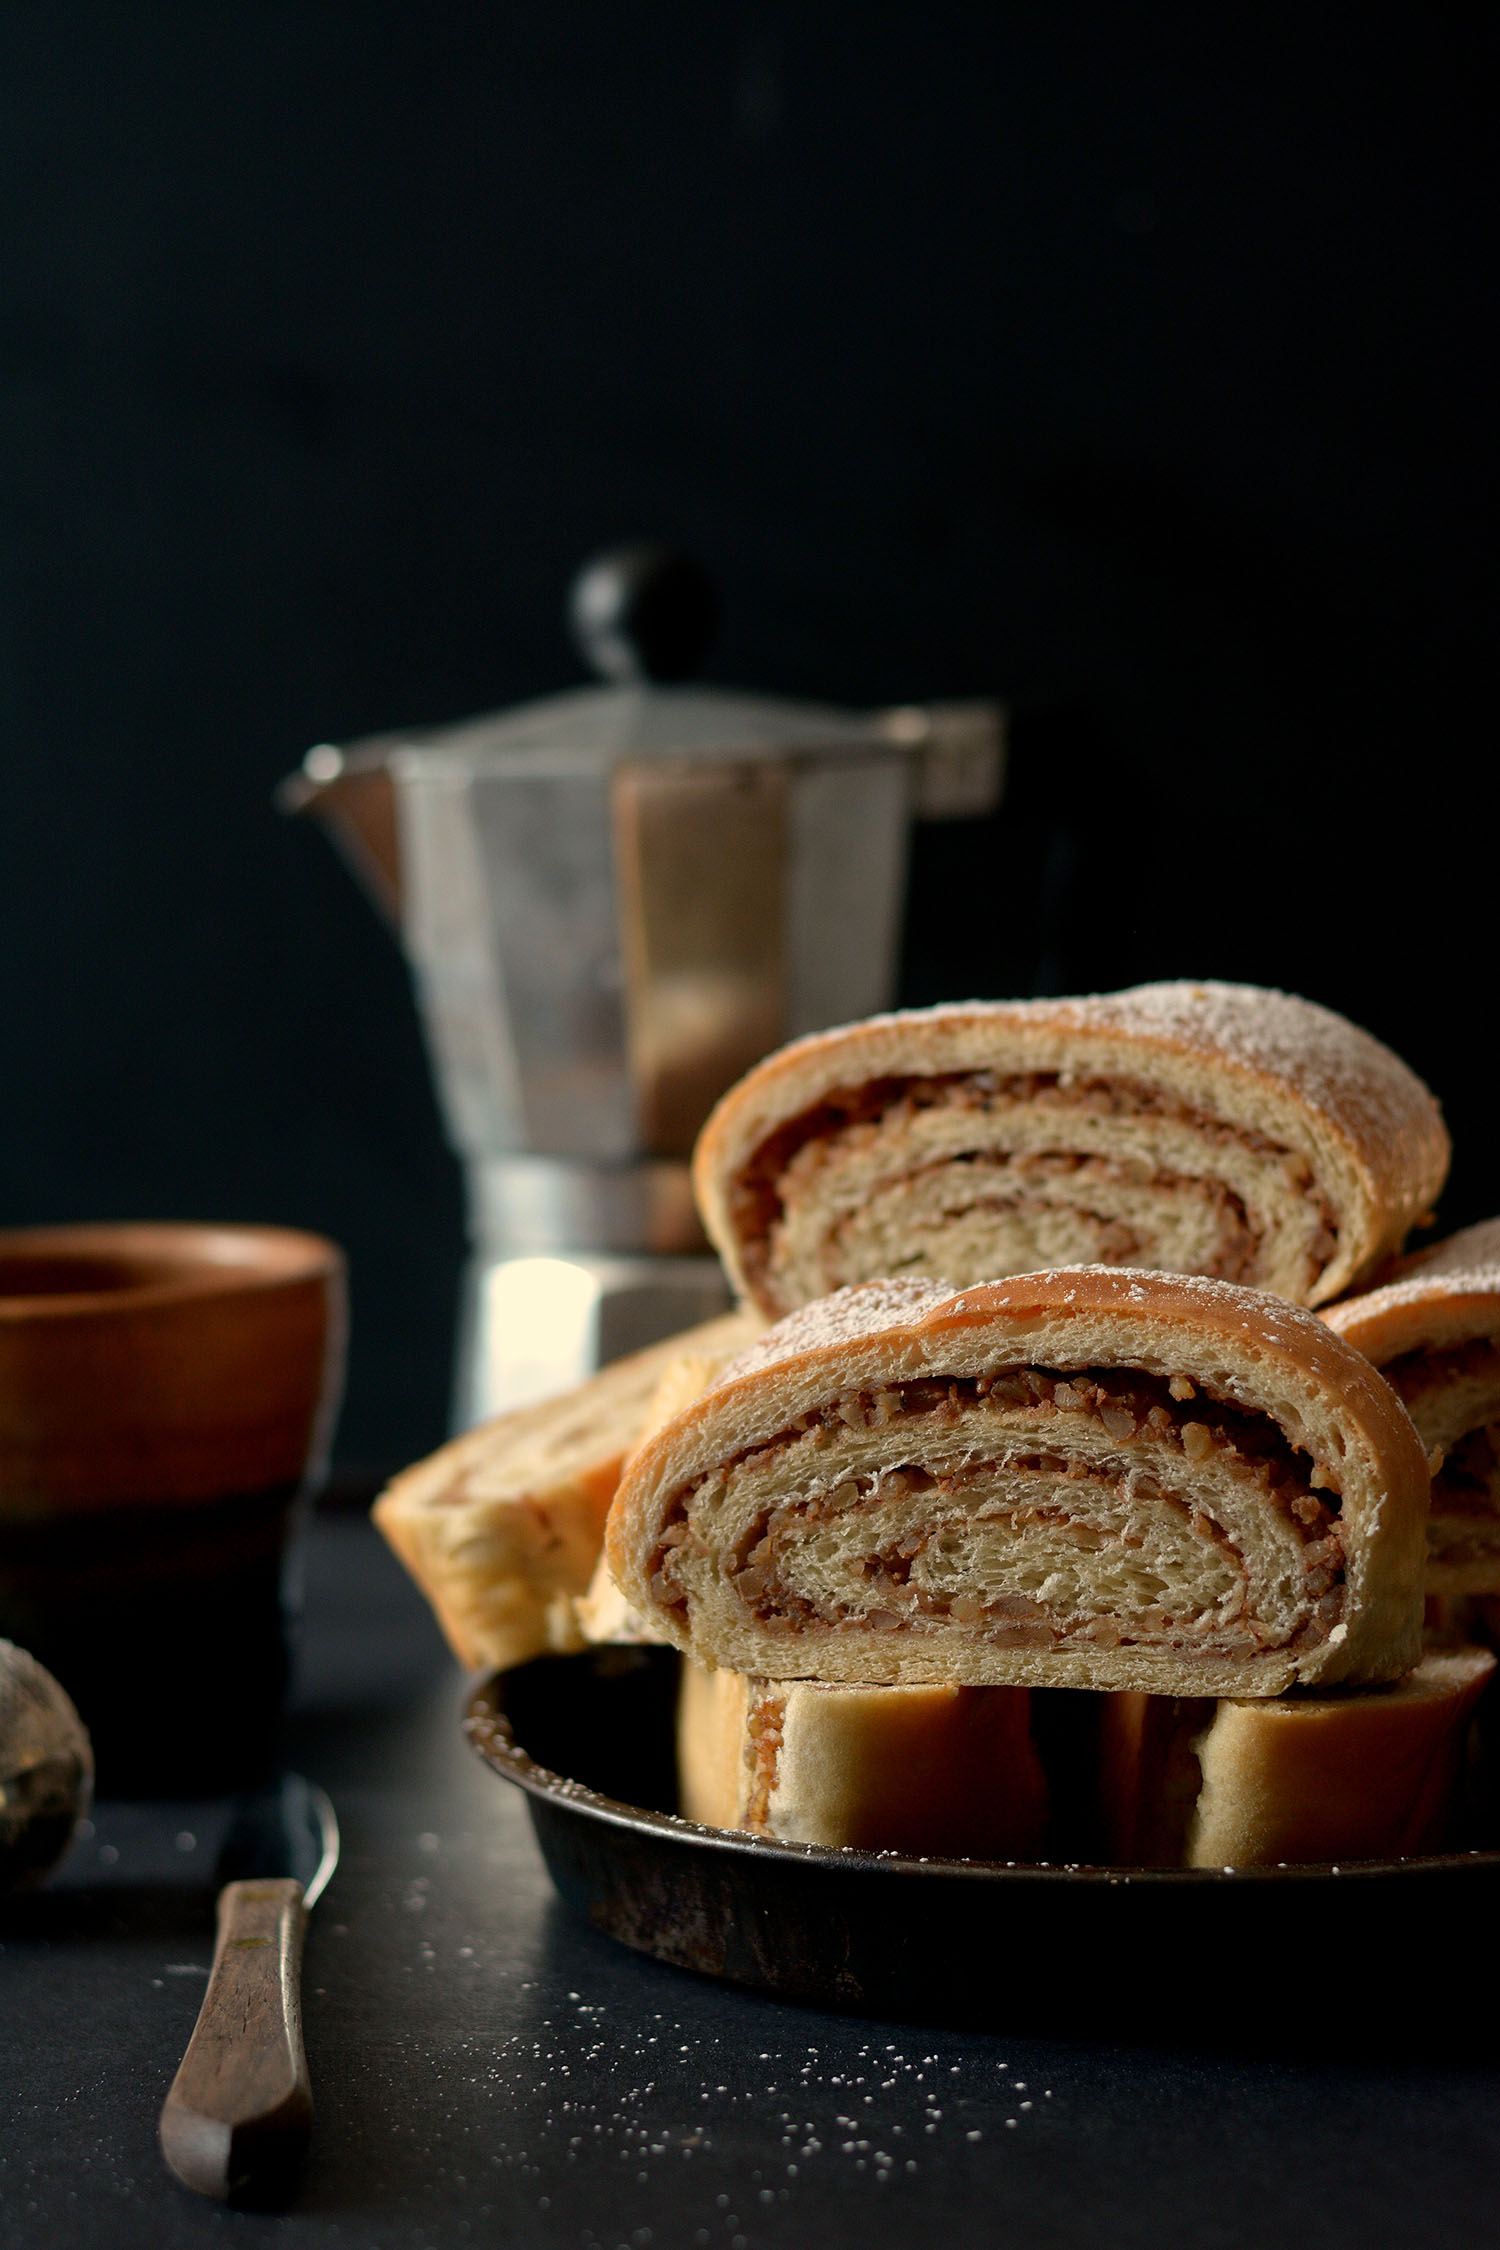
pixel 236 2120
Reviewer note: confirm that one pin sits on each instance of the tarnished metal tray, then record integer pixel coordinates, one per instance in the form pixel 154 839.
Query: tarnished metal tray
pixel 1061 1946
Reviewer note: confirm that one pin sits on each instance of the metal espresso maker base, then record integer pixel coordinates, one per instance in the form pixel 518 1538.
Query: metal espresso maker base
pixel 615 901
pixel 539 1312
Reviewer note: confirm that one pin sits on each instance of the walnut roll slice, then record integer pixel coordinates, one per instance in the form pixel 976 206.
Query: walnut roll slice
pixel 1193 1128
pixel 1433 1330
pixel 1077 1479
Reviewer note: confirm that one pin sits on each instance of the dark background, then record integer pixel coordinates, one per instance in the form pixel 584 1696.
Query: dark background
pixel 1126 362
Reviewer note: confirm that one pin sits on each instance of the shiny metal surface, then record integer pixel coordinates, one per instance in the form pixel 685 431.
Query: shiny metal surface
pixel 601 947
pixel 522 1205
pixel 534 1326
pixel 288 1828
pixel 701 857
pixel 614 902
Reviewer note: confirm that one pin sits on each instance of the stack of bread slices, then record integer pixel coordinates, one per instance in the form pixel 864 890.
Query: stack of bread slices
pixel 1086 1460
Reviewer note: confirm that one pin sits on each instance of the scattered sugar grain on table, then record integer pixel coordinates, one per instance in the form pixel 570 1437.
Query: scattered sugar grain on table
pixel 902 2105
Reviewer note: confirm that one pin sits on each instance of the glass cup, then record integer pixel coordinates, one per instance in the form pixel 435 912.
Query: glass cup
pixel 167 1399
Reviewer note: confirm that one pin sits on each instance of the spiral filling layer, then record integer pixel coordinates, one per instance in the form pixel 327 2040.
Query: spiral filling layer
pixel 1028 1508
pixel 971 1174
pixel 1453 1396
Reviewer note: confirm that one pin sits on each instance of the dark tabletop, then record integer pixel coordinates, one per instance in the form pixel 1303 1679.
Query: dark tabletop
pixel 487 2070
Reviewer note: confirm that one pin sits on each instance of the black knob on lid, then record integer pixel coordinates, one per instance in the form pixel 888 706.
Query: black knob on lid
pixel 643 613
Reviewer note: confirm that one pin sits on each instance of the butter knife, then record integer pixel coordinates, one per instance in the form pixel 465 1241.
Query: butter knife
pixel 237 2118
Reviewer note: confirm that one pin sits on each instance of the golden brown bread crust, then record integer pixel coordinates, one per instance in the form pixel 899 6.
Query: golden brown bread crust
pixel 1243 1353
pixel 1333 1147
pixel 501 1527
pixel 1347 1776
pixel 1433 1327
pixel 937 1771
pixel 1443 1295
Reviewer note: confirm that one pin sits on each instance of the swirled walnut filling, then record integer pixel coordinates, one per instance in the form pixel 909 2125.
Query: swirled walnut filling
pixel 968 1174
pixel 1466 1484
pixel 1453 1396
pixel 1029 1507
pixel 765 1719
pixel 1455 1383
pixel 1463 1529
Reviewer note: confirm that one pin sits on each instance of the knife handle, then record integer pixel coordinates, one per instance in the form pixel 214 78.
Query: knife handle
pixel 237 2118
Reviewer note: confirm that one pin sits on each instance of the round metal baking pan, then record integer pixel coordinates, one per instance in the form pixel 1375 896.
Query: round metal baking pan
pixel 589 1738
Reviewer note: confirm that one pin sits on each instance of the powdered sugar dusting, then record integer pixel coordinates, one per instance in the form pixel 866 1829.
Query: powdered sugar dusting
pixel 1278 1318
pixel 845 1317
pixel 1466 1265
pixel 868 1307
pixel 1322 1057
pixel 1474 1253
pixel 1345 1074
